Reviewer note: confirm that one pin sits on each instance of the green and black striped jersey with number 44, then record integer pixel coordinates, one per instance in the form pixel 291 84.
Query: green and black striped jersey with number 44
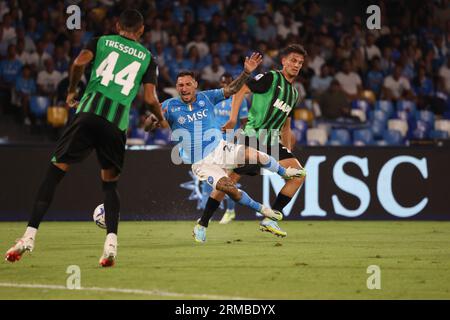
pixel 274 99
pixel 120 66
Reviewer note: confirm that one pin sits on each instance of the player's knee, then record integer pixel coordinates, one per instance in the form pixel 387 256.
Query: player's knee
pixel 227 186
pixel 296 182
pixel 110 175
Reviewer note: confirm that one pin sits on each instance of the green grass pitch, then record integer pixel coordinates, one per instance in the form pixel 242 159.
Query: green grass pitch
pixel 159 260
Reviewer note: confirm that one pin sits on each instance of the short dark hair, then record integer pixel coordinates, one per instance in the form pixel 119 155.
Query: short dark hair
pixel 131 20
pixel 186 73
pixel 226 75
pixel 293 48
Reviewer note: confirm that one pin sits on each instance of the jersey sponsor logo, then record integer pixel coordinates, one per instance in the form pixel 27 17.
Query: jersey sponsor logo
pixel 283 106
pixel 199 115
pixel 223 113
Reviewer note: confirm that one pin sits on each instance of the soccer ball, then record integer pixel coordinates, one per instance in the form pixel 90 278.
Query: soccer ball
pixel 99 216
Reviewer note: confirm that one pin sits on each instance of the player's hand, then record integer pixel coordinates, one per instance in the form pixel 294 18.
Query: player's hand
pixel 253 62
pixel 70 100
pixel 230 124
pixel 151 123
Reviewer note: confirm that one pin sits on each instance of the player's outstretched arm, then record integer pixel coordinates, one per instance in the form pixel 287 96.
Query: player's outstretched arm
pixel 76 72
pixel 250 65
pixel 156 119
pixel 236 103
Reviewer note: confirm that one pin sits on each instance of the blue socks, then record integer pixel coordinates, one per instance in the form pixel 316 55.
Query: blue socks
pixel 274 166
pixel 249 202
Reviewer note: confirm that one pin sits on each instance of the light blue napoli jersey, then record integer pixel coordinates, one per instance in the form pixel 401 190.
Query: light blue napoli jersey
pixel 223 111
pixel 194 126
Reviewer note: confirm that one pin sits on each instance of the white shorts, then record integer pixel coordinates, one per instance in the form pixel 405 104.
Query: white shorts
pixel 218 163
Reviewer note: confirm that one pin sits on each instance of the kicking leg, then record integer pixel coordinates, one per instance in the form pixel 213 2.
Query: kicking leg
pixel 268 162
pixel 290 187
pixel 112 210
pixel 230 213
pixel 55 174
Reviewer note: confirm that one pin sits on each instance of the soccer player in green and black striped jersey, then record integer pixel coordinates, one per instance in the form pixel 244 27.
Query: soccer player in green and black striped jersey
pixel 269 121
pixel 120 64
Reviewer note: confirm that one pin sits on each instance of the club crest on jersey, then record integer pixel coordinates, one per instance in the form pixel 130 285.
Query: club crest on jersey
pixel 210 180
pixel 181 120
pixel 201 103
pixel 283 106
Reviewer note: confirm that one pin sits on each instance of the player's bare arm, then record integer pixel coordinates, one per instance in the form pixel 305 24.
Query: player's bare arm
pixel 236 103
pixel 156 119
pixel 250 65
pixel 286 134
pixel 77 71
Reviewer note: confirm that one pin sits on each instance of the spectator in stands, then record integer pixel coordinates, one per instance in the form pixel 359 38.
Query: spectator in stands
pixel 37 59
pixel 265 30
pixel 180 8
pixel 61 60
pixel 48 79
pixel 192 62
pixel 315 61
pixel 21 54
pixel 25 87
pixel 396 86
pixel 334 103
pixel 234 66
pixel 215 26
pixel 199 42
pixel 9 31
pixel 175 65
pixel 386 62
pixel 349 81
pixel 423 88
pixel 211 74
pixel 320 83
pixel 375 77
pixel 444 73
pixel 158 33
pixel 370 50
pixel 267 63
pixel 10 69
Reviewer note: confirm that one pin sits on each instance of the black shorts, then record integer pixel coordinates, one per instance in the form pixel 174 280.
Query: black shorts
pixel 86 133
pixel 255 169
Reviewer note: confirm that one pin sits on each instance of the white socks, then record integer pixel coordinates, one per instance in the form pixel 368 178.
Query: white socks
pixel 111 238
pixel 30 232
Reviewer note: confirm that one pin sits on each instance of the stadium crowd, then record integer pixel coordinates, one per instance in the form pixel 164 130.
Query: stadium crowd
pixel 353 77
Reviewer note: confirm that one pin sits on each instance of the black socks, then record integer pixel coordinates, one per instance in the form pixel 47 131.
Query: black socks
pixel 45 195
pixel 210 207
pixel 112 206
pixel 280 202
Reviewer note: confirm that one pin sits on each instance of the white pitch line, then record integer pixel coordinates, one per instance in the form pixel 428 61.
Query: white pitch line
pixel 118 290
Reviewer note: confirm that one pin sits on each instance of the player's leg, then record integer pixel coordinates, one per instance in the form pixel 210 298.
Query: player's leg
pixel 53 177
pixel 110 149
pixel 206 192
pixel 73 146
pixel 270 163
pixel 230 213
pixel 110 178
pixel 287 159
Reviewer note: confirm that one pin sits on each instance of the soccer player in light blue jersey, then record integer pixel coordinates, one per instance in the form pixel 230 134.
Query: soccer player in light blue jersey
pixel 192 120
pixel 222 112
